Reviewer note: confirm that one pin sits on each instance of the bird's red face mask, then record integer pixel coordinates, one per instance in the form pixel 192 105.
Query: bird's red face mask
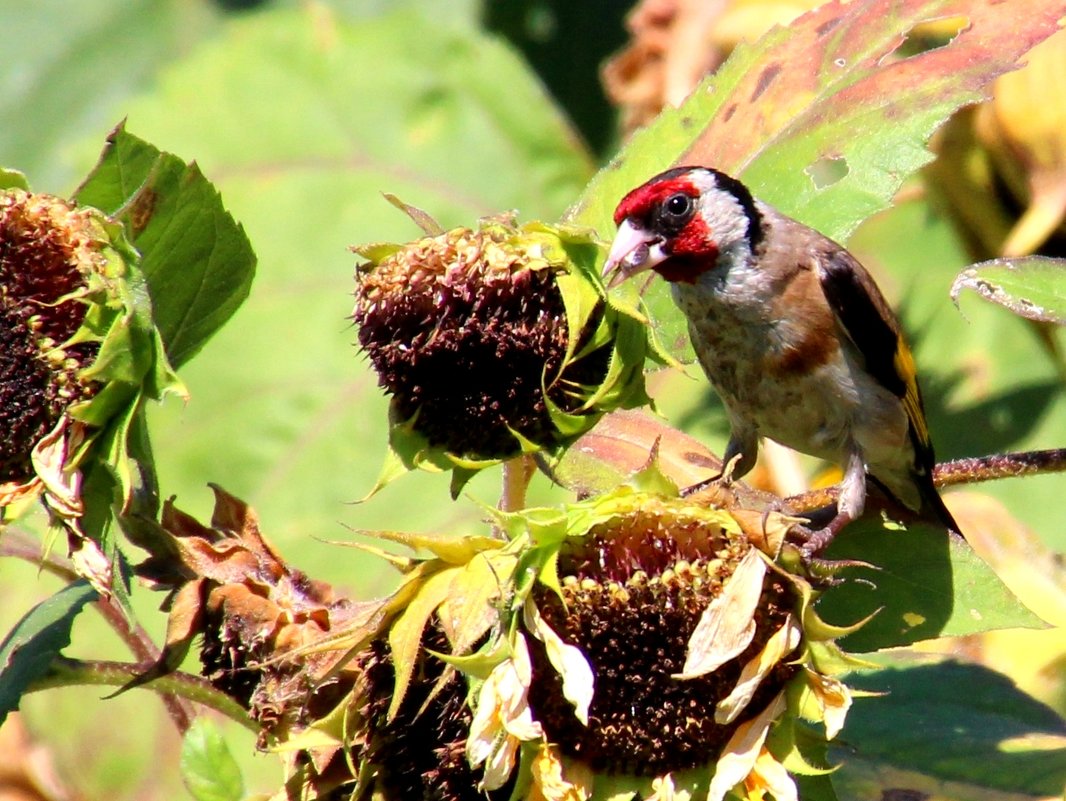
pixel 660 228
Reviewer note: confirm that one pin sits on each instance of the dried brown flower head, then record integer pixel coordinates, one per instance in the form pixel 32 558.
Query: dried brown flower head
pixel 630 645
pixel 260 620
pixel 49 250
pixel 493 341
pixel 633 593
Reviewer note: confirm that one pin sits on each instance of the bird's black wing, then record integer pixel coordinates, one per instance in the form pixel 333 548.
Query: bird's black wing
pixel 870 323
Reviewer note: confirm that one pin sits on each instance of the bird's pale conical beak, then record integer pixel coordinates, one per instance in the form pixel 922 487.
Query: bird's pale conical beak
pixel 633 251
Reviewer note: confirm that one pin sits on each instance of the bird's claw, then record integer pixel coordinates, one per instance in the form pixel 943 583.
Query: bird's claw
pixel 815 541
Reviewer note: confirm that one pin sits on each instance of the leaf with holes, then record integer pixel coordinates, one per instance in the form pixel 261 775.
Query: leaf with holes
pixel 1033 287
pixel 829 95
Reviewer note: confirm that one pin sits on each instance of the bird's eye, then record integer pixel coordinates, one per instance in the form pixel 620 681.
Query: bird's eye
pixel 676 211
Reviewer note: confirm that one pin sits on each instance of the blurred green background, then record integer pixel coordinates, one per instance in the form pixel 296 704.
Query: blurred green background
pixel 302 114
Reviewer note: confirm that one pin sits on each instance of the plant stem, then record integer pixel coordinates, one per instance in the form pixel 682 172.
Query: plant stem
pixel 65 672
pixel 517 473
pixel 999 465
pixel 973 470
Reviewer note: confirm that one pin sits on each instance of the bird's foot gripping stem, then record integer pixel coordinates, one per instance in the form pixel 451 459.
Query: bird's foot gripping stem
pixel 817 540
pixel 849 507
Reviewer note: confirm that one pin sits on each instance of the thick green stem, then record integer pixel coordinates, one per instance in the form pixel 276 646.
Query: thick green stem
pixel 66 672
pixel 517 473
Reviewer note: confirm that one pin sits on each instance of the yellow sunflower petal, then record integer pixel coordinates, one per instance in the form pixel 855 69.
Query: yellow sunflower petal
pixel 502 718
pixel 16 493
pixel 88 560
pixel 742 751
pixel 568 660
pixel 62 486
pixel 663 789
pixel 554 780
pixel 727 626
pixel 780 645
pixel 500 764
pixel 769 776
pixel 833 697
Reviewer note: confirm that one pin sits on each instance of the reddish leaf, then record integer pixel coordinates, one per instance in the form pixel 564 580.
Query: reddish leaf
pixel 625 442
pixel 822 118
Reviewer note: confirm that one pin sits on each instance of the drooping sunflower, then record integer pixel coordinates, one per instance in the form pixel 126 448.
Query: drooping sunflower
pixel 630 644
pixel 77 348
pixel 493 341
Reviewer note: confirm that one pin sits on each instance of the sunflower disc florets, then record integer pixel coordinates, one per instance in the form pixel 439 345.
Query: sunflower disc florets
pixel 494 340
pixel 634 590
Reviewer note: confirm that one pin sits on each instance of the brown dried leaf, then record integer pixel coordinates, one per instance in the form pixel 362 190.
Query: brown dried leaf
pixel 261 621
pixel 234 516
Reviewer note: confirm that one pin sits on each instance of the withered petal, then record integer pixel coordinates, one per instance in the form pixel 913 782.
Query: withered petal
pixel 727 626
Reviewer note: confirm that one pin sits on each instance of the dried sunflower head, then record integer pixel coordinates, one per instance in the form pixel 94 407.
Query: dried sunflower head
pixel 261 622
pixel 631 645
pixel 78 346
pixel 492 341
pixel 50 254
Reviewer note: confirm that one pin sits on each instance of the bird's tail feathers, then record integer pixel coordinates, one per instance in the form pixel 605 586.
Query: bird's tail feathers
pixel 933 504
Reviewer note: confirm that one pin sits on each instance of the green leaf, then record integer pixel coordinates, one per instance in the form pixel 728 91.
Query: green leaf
pixel 816 788
pixel 207 767
pixel 29 648
pixel 945 722
pixel 196 259
pixel 1033 287
pixel 828 87
pixel 926 584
